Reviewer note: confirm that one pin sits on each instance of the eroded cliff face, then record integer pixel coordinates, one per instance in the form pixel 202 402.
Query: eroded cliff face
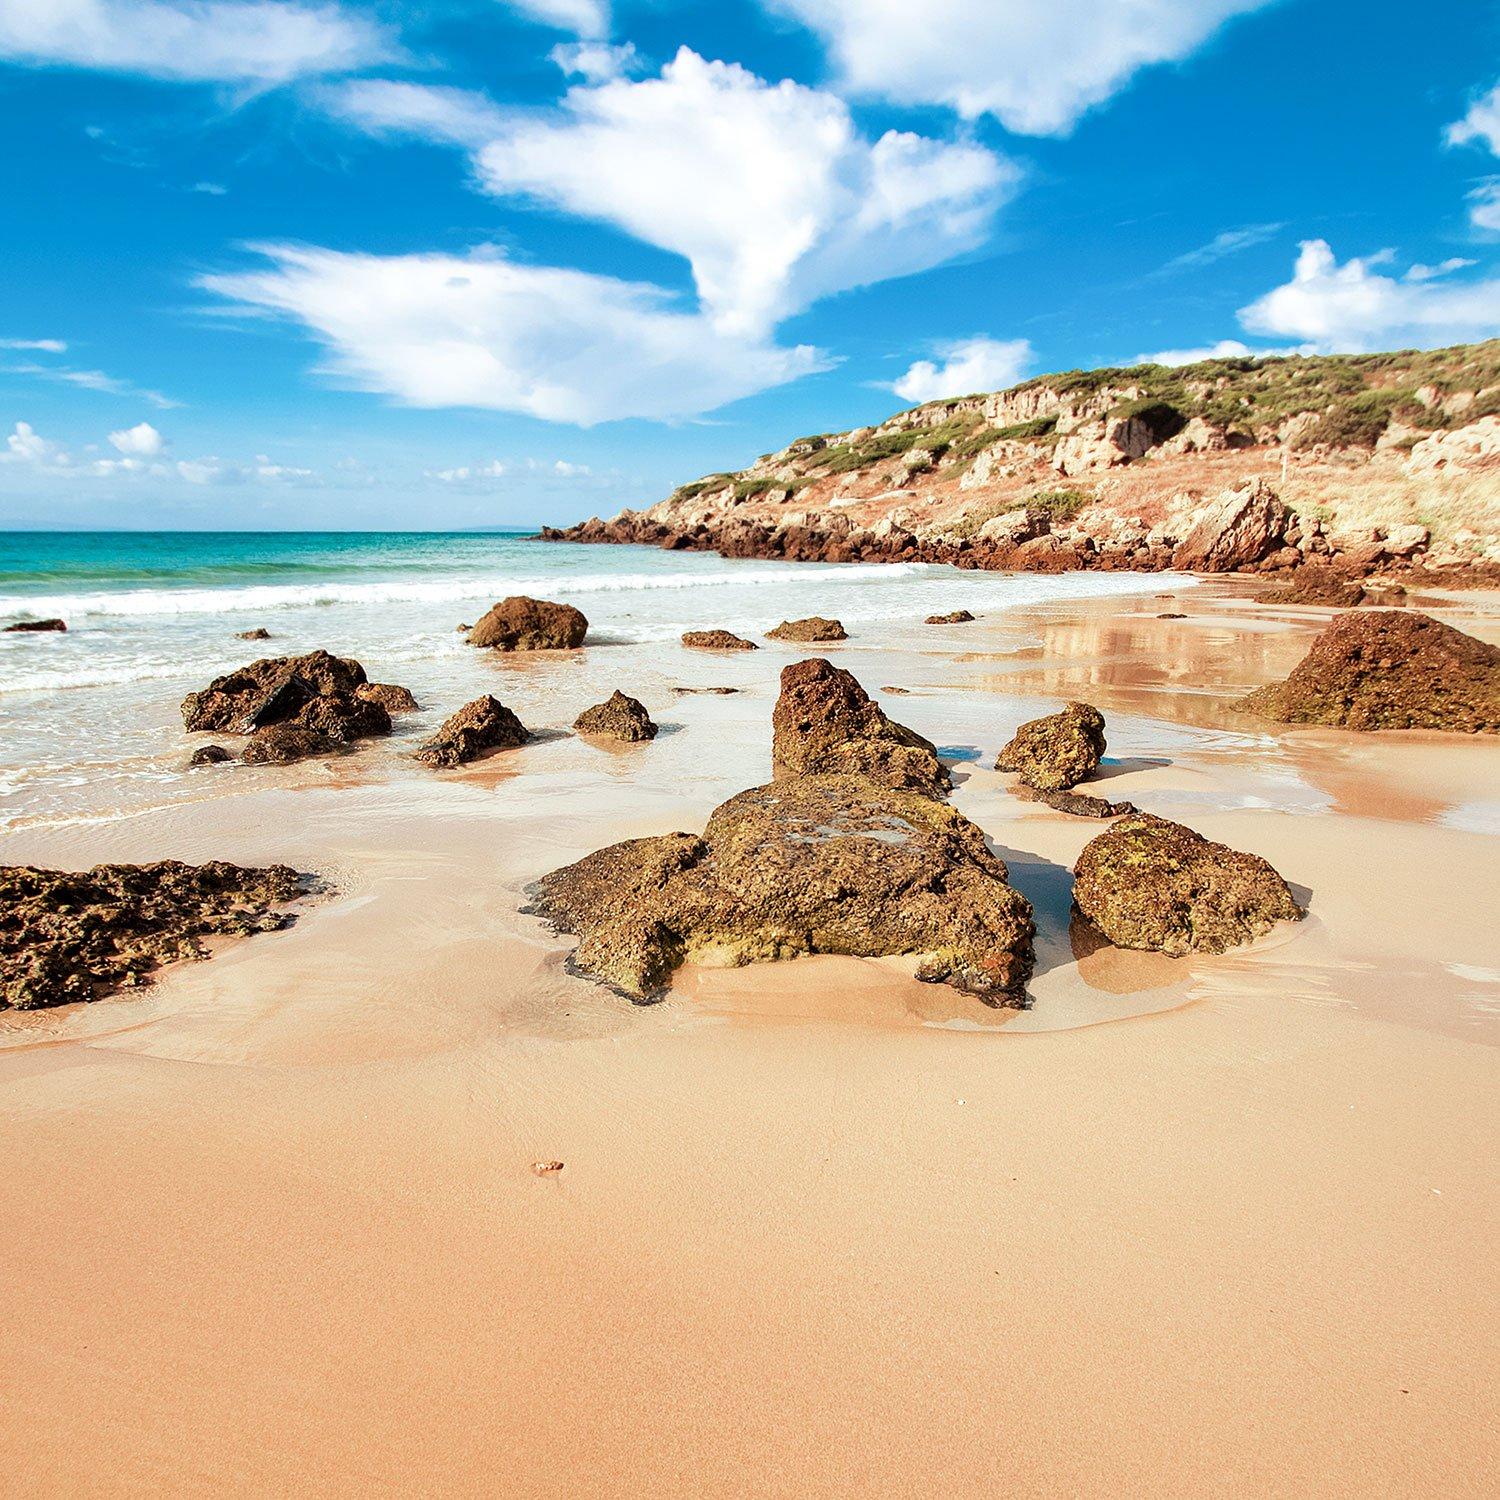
pixel 1367 463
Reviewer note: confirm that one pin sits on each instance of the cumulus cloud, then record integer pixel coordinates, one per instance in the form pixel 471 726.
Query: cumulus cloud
pixel 1354 308
pixel 585 18
pixel 26 445
pixel 1484 205
pixel 1447 267
pixel 1224 349
pixel 1481 125
pixel 140 441
pixel 470 472
pixel 1036 65
pixel 253 42
pixel 969 365
pixel 482 331
pixel 596 62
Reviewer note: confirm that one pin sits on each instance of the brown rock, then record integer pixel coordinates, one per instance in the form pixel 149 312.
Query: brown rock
pixel 209 755
pixel 815 628
pixel 1235 531
pixel 816 864
pixel 522 624
pixel 1079 804
pixel 1153 884
pixel 618 718
pixel 260 633
pixel 280 744
pixel 475 730
pixel 1321 587
pixel 826 724
pixel 393 699
pixel 683 692
pixel 67 936
pixel 1389 669
pixel 717 640
pixel 1058 751
pixel 36 626
pixel 956 617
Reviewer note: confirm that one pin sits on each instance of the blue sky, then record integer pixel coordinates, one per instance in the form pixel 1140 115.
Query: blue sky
pixel 489 262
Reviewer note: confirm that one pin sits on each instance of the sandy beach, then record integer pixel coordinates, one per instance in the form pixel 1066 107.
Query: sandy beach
pixel 1186 1226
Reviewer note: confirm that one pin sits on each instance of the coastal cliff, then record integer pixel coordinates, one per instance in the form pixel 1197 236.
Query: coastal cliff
pixel 1359 464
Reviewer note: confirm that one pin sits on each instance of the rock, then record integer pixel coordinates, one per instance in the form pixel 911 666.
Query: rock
pixel 546 1168
pixel 209 755
pixel 1389 669
pixel 900 692
pixel 476 729
pixel 260 633
pixel 1476 446
pixel 814 864
pixel 1236 531
pixel 826 724
pixel 1079 804
pixel 717 640
pixel 1058 751
pixel 35 626
pixel 393 699
pixel 1171 614
pixel 280 744
pixel 618 717
pixel 956 617
pixel 1150 883
pixel 522 624
pixel 1317 586
pixel 816 628
pixel 316 692
pixel 1102 445
pixel 721 691
pixel 67 936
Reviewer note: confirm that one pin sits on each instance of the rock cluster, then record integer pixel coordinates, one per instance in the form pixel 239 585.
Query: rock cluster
pixel 1058 751
pixel 1150 883
pixel 67 936
pixel 523 624
pixel 717 640
pixel 954 617
pixel 477 729
pixel 1389 669
pixel 618 718
pixel 814 628
pixel 36 626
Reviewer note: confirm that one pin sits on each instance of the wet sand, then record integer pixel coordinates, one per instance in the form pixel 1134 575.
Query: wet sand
pixel 1185 1226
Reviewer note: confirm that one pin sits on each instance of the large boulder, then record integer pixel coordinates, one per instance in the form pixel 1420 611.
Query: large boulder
pixel 1150 883
pixel 1237 530
pixel 1058 751
pixel 76 935
pixel 717 640
pixel 815 864
pixel 317 692
pixel 523 624
pixel 477 729
pixel 618 718
pixel 1389 669
pixel 814 628
pixel 825 723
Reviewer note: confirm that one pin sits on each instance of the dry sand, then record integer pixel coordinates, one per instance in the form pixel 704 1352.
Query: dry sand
pixel 1186 1227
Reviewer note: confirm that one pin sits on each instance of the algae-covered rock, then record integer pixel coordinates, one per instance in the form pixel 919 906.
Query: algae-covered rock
pixel 814 628
pixel 825 723
pixel 475 730
pixel 1150 883
pixel 1058 751
pixel 619 718
pixel 814 864
pixel 1389 669
pixel 520 623
pixel 1076 804
pixel 717 640
pixel 953 617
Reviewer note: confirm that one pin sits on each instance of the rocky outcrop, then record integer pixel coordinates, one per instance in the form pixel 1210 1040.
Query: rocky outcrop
pixel 476 730
pixel 1476 446
pixel 954 617
pixel 826 724
pixel 617 718
pixel 1385 669
pixel 717 640
pixel 36 627
pixel 1058 751
pixel 1150 883
pixel 522 624
pixel 393 699
pixel 316 693
pixel 814 628
pixel 808 864
pixel 1236 531
pixel 67 936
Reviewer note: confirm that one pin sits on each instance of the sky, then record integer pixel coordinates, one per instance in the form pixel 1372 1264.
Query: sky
pixel 456 263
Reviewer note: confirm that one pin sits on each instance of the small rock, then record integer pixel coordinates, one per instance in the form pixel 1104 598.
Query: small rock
pixel 36 626
pixel 260 633
pixel 618 717
pixel 956 617
pixel 1171 615
pixel 546 1168
pixel 899 692
pixel 523 624
pixel 814 628
pixel 717 640
pixel 280 744
pixel 722 691
pixel 1058 751
pixel 475 730
pixel 393 699
pixel 209 755
pixel 1079 804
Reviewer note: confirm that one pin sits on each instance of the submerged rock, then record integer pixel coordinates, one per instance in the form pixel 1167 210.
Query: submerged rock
pixel 1150 883
pixel 1385 669
pixel 811 864
pixel 67 936
pixel 814 628
pixel 618 717
pixel 523 624
pixel 1058 751
pixel 475 730
pixel 825 723
pixel 280 744
pixel 209 755
pixel 717 640
pixel 36 626
pixel 956 617
pixel 393 699
pixel 259 633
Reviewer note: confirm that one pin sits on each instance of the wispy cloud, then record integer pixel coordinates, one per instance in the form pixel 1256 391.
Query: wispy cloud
pixel 91 380
pixel 1228 242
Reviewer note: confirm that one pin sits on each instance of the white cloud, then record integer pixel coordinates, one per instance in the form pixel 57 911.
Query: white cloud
pixel 382 106
pixel 91 380
pixel 1036 65
pixel 1484 205
pixel 254 42
pixel 26 445
pixel 1228 242
pixel 969 365
pixel 140 441
pixel 1481 125
pixel 482 331
pixel 586 18
pixel 1443 268
pixel 39 346
pixel 595 62
pixel 1224 349
pixel 569 470
pixel 210 189
pixel 1353 308
pixel 492 470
